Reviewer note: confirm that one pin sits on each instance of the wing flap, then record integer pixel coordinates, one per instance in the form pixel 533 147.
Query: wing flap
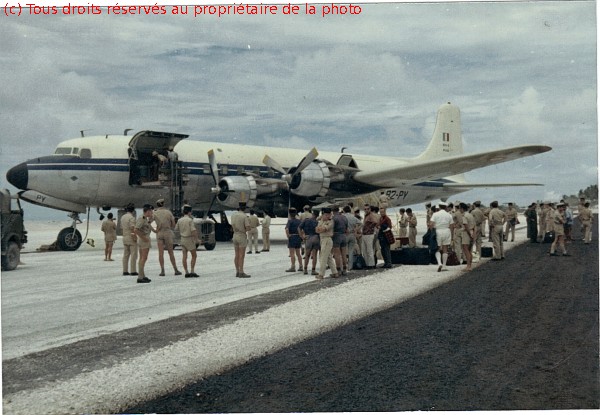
pixel 417 171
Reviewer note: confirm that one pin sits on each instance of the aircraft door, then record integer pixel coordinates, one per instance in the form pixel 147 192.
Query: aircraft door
pixel 149 154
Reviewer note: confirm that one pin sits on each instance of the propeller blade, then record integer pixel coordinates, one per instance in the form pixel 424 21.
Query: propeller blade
pixel 269 162
pixel 305 162
pixel 214 169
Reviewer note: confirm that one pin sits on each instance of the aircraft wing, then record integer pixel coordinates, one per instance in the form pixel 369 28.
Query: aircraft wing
pixel 474 185
pixel 420 170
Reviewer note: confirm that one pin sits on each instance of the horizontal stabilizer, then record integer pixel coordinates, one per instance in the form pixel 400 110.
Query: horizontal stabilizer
pixel 418 170
pixel 41 199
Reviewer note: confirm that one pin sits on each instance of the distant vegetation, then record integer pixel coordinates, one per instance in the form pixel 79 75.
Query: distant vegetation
pixel 590 193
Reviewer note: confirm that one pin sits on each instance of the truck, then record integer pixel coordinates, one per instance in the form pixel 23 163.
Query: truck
pixel 14 235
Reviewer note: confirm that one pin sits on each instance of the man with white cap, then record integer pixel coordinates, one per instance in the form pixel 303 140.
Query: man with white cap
pixel 441 221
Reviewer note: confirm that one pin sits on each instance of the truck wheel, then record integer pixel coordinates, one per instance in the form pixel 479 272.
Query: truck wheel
pixel 12 257
pixel 69 241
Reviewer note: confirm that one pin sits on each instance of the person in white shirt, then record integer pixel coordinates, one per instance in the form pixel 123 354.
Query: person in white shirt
pixel 441 221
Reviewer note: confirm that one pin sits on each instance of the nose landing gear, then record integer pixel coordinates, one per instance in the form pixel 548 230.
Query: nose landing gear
pixel 69 239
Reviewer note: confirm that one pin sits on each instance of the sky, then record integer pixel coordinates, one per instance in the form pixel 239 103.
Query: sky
pixel 520 72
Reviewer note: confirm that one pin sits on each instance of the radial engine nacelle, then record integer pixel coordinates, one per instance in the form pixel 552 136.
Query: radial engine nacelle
pixel 313 181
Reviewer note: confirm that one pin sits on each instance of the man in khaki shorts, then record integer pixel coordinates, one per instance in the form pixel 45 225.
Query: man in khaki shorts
pixel 165 223
pixel 143 229
pixel 241 225
pixel 189 238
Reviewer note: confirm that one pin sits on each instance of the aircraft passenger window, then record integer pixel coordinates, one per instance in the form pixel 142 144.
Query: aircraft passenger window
pixel 224 170
pixel 240 170
pixel 85 153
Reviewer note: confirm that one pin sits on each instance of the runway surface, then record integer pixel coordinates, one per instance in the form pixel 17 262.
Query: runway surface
pixel 78 337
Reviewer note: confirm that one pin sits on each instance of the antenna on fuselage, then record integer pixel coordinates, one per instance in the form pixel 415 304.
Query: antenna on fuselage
pixel 127 130
pixel 82 132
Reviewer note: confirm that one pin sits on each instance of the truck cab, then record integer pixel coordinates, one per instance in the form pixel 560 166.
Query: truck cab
pixel 14 235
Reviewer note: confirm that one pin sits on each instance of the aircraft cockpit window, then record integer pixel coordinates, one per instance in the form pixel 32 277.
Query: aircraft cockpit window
pixel 85 153
pixel 75 151
pixel 62 151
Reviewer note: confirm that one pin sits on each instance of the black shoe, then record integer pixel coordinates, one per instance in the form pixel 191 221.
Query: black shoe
pixel 143 280
pixel 135 274
pixel 192 275
pixel 249 252
pixel 126 273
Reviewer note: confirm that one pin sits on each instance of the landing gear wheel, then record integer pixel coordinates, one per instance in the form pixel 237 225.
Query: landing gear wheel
pixel 12 257
pixel 69 239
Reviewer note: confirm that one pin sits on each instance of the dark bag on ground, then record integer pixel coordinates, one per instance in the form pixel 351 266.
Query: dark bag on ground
pixel 452 259
pixel 487 252
pixel 549 237
pixel 359 262
pixel 411 256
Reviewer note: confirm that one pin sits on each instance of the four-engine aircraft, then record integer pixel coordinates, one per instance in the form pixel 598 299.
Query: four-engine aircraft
pixel 115 170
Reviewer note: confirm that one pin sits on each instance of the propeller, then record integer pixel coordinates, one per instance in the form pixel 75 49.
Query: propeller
pixel 289 174
pixel 214 170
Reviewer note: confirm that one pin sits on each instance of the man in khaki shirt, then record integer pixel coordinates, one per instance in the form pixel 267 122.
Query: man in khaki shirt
pixel 253 232
pixel 325 231
pixel 511 222
pixel 240 224
pixel 585 218
pixel 496 219
pixel 165 223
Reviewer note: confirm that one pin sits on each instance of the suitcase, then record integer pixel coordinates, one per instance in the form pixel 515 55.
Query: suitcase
pixel 411 256
pixel 403 241
pixel 487 252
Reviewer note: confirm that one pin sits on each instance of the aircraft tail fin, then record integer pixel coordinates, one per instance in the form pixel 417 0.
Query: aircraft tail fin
pixel 447 136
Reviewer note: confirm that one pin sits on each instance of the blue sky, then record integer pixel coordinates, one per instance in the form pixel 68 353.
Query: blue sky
pixel 521 72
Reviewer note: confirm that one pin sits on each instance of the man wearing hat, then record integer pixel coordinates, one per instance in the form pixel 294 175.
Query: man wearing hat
pixel 240 224
pixel 130 249
pixel 441 221
pixel 165 223
pixel 497 219
pixel 143 229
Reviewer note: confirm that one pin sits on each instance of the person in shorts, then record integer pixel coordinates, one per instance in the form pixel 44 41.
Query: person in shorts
pixel 189 239
pixel 240 225
pixel 143 229
pixel 294 240
pixel 312 242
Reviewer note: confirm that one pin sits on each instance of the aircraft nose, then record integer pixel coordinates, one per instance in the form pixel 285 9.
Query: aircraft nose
pixel 18 176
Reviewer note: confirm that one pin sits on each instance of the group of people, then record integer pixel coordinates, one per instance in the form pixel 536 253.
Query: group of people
pixel 554 222
pixel 340 238
pixel 137 239
pixel 336 237
pixel 332 237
